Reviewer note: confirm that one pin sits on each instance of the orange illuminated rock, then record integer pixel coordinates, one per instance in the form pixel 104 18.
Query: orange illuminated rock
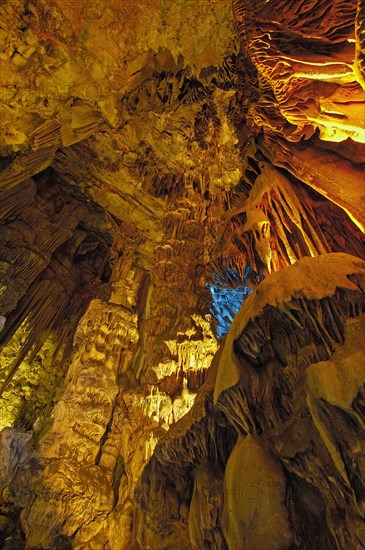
pixel 160 162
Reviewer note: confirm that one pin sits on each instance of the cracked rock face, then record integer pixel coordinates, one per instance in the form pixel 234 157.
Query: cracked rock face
pixel 163 167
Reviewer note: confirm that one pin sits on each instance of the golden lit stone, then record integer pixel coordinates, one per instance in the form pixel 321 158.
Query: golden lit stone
pixel 163 167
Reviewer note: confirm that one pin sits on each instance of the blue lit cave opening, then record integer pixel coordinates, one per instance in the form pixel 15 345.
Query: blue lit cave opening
pixel 227 298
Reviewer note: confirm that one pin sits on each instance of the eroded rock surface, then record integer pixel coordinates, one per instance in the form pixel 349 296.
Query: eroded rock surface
pixel 161 163
pixel 294 406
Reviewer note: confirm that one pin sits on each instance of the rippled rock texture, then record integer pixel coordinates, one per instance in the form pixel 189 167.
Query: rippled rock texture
pixel 161 163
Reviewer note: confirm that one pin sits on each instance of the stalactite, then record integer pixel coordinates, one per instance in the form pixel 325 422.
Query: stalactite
pixel 26 165
pixel 145 193
pixel 16 198
pixel 41 308
pixel 45 135
pixel 284 335
pixel 274 195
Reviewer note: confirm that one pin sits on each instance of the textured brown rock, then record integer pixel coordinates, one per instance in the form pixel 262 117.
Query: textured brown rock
pixel 294 396
pixel 160 162
pixel 255 513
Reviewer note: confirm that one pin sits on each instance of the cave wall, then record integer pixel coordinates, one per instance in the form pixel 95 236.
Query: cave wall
pixel 160 165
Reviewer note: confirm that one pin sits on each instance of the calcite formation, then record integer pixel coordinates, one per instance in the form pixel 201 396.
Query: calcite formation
pixel 288 401
pixel 182 200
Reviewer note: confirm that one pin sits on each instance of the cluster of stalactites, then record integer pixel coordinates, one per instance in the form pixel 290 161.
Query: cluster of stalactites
pixel 52 263
pixel 284 229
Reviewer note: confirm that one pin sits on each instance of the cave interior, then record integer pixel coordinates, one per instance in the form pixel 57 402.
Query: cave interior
pixel 182 275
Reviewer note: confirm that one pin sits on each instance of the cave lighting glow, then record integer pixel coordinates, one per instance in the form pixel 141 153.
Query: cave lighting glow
pixel 227 299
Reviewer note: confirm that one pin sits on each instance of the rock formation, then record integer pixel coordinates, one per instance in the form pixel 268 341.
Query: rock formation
pixel 182 275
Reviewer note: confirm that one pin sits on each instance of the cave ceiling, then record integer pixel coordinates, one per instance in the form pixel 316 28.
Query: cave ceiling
pixel 163 163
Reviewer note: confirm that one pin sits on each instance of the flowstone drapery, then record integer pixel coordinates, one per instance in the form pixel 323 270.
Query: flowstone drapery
pixel 181 274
